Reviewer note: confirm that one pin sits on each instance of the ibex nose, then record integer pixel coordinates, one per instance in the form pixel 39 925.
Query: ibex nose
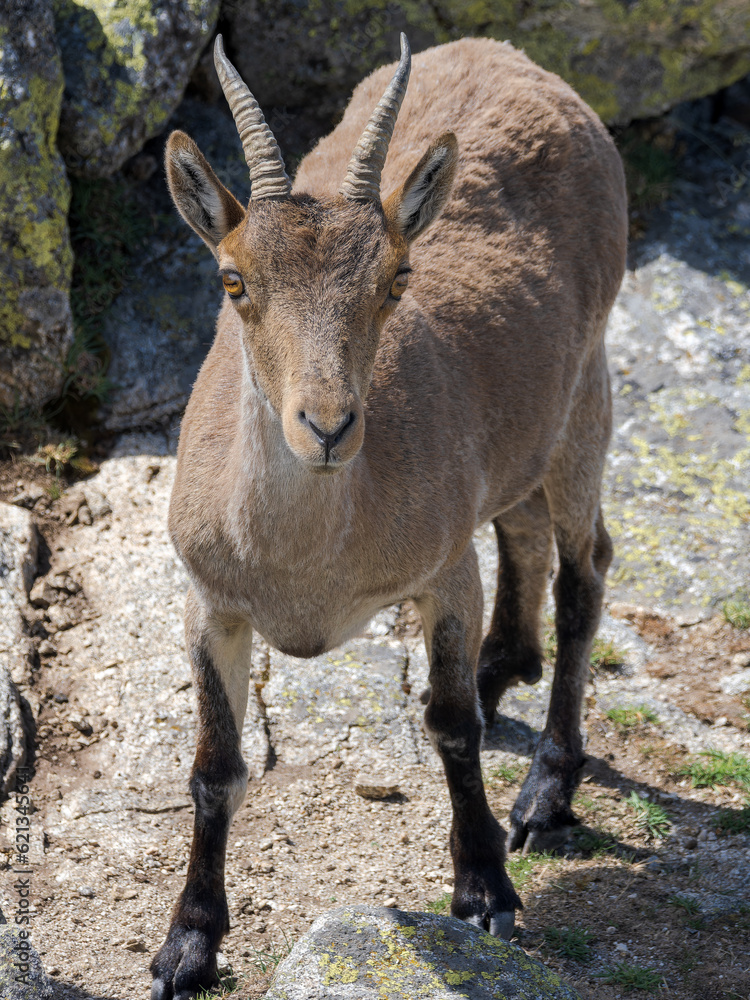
pixel 328 438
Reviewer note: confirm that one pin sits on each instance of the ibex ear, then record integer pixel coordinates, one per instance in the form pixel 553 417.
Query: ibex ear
pixel 419 201
pixel 200 197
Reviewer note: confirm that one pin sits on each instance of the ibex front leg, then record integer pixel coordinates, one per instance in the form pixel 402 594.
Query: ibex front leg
pixel 452 618
pixel 220 657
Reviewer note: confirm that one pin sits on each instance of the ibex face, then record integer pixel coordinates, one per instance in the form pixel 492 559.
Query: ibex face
pixel 313 281
pixel 313 284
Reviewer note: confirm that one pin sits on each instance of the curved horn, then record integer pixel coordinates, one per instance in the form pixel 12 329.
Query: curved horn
pixel 268 177
pixel 362 181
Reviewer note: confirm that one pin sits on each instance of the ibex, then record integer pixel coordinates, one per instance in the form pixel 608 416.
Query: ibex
pixel 405 351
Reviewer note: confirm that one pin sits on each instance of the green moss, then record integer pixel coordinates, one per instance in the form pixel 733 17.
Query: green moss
pixel 34 194
pixel 691 45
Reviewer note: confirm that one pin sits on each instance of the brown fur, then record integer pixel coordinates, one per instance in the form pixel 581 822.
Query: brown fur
pixel 482 395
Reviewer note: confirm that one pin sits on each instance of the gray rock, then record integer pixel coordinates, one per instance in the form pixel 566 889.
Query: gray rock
pixel 126 67
pixel 21 974
pixel 129 659
pixel 36 327
pixel 18 549
pixel 160 328
pixel 357 953
pixel 628 60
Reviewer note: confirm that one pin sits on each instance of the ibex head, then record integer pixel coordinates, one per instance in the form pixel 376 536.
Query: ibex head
pixel 313 280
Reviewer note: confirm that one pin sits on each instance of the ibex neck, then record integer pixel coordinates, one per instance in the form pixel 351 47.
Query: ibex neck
pixel 280 499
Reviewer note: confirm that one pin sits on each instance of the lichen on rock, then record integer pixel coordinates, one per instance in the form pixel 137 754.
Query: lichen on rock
pixel 35 256
pixel 126 63
pixel 367 952
pixel 21 974
pixel 628 60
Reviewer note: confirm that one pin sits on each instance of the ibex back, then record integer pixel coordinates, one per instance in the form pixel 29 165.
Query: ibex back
pixel 389 372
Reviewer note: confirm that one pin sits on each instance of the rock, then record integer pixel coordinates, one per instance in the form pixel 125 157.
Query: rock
pixel 373 786
pixel 126 64
pixel 369 952
pixel 159 329
pixel 21 974
pixel 628 61
pixel 42 594
pixel 36 328
pixel 18 551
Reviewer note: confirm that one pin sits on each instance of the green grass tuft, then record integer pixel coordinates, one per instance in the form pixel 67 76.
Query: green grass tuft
pixel 649 816
pixel 731 821
pixel 628 716
pixel 507 773
pixel 268 958
pixel 684 902
pixel 737 611
pixel 714 767
pixel 594 842
pixel 632 977
pixel 605 655
pixel 440 905
pixel 520 866
pixel 573 942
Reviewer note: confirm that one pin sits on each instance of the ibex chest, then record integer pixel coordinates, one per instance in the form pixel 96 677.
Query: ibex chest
pixel 307 575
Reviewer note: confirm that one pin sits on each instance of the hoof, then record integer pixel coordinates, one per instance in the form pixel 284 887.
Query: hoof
pixel 184 966
pixel 531 841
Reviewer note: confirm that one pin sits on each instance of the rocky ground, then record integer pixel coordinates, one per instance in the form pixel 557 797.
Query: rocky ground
pixel 651 893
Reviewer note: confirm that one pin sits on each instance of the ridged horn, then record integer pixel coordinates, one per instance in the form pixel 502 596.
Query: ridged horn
pixel 362 181
pixel 268 178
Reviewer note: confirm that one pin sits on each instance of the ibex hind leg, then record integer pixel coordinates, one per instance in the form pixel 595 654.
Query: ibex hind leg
pixel 220 657
pixel 542 816
pixel 511 651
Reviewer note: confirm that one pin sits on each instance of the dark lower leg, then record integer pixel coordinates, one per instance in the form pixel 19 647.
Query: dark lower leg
pixel 186 961
pixel 542 814
pixel 483 894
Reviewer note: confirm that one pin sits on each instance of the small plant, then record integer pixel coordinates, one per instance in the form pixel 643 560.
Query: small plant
pixel 573 942
pixel 632 977
pixel 731 821
pixel 228 984
pixel 684 902
pixel 267 959
pixel 628 716
pixel 520 867
pixel 507 773
pixel 715 767
pixel 63 456
pixel 649 816
pixel 737 610
pixel 594 842
pixel 605 656
pixel 440 905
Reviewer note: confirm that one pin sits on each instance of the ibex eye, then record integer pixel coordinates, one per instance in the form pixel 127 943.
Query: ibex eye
pixel 399 285
pixel 233 284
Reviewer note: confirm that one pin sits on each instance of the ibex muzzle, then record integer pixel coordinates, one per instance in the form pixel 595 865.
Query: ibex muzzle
pixel 478 393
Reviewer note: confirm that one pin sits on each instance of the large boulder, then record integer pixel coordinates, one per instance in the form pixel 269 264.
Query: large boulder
pixel 628 60
pixel 126 63
pixel 371 953
pixel 18 553
pixel 36 327
pixel 21 974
